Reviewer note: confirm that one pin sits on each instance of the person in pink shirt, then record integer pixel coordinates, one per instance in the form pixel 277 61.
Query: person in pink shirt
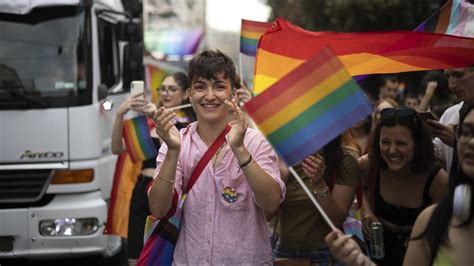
pixel 218 227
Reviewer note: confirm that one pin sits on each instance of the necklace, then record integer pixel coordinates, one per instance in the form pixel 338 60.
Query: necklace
pixel 217 155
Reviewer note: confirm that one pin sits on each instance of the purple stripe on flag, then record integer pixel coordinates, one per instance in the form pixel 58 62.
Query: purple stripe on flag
pixel 318 141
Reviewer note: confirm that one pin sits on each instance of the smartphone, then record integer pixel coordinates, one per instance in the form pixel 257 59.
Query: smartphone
pixel 137 87
pixel 427 115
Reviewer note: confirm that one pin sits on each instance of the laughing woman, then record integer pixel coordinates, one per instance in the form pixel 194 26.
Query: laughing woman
pixel 400 178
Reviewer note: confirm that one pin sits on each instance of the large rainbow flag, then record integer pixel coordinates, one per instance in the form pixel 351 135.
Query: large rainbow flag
pixel 124 180
pixel 456 17
pixel 250 33
pixel 136 135
pixel 285 46
pixel 309 107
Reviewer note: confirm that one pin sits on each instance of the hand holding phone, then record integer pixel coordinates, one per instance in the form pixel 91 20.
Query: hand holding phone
pixel 137 87
pixel 427 115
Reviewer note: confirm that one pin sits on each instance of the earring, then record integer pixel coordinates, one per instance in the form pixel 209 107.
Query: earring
pixel 462 202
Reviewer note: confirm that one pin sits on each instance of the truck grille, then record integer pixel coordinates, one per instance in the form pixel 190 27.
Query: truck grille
pixel 20 186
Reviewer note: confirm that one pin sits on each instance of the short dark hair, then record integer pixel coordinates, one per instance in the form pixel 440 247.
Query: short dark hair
pixel 385 78
pixel 209 64
pixel 423 153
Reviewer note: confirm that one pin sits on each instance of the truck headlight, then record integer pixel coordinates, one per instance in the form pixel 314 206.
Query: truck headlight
pixel 69 226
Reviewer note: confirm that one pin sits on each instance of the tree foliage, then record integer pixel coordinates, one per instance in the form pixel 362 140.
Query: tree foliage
pixel 354 15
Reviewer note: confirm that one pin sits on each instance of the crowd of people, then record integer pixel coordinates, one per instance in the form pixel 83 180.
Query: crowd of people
pixel 406 172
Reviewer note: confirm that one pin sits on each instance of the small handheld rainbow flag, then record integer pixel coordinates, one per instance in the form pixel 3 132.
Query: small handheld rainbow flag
pixel 309 107
pixel 136 134
pixel 250 34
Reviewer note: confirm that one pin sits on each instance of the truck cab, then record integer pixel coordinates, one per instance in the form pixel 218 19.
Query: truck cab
pixel 65 65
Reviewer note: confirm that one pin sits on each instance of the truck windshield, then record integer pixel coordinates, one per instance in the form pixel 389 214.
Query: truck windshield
pixel 45 58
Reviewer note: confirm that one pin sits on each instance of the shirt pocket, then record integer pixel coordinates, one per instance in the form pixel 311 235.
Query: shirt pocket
pixel 234 191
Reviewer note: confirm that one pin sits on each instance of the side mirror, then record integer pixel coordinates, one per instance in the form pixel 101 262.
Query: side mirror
pixel 102 91
pixel 129 31
pixel 132 64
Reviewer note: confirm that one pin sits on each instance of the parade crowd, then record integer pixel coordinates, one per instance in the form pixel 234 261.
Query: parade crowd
pixel 405 172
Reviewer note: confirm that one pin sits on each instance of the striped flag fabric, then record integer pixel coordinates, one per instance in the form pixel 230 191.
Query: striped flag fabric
pixel 154 78
pixel 250 34
pixel 124 180
pixel 285 46
pixel 456 17
pixel 309 107
pixel 138 142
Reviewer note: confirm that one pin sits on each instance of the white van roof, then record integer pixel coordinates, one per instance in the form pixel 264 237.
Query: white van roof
pixel 25 6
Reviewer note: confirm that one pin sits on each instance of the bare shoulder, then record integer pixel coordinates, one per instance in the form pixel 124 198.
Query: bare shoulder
pixel 439 187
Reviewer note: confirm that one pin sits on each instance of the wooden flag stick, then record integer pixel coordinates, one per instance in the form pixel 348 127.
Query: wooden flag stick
pixel 311 197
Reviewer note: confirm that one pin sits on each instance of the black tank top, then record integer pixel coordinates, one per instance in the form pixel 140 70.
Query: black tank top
pixel 402 216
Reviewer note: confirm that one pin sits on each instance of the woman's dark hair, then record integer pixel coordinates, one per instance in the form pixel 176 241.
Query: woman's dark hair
pixel 181 79
pixel 209 64
pixel 423 152
pixel 183 82
pixel 333 155
pixel 436 231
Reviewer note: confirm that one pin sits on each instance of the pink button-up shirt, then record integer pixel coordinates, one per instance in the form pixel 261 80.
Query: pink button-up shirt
pixel 213 230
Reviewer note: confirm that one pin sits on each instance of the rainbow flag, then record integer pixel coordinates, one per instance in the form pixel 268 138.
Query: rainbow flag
pixel 456 17
pixel 250 33
pixel 154 78
pixel 125 177
pixel 136 135
pixel 285 46
pixel 309 107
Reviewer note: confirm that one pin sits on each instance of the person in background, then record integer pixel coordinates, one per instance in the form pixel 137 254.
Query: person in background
pixel 173 92
pixel 389 87
pixel 240 183
pixel 412 101
pixel 399 179
pixel 443 233
pixel 437 96
pixel 332 175
pixel 461 82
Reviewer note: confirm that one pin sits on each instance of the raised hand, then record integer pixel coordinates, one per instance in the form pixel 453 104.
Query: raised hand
pixel 314 167
pixel 165 121
pixel 345 249
pixel 235 137
pixel 444 132
pixel 132 103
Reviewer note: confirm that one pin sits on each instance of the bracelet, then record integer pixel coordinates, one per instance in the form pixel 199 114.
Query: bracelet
pixel 322 194
pixel 166 180
pixel 245 163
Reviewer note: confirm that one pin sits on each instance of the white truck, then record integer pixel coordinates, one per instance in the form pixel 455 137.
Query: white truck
pixel 64 68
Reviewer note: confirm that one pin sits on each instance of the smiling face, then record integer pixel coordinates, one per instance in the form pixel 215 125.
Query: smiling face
pixel 171 94
pixel 208 96
pixel 396 146
pixel 465 145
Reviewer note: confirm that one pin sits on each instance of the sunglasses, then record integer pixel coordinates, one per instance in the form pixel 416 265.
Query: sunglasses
pixel 389 116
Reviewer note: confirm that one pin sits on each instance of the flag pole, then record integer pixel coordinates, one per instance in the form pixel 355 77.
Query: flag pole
pixel 240 68
pixel 311 197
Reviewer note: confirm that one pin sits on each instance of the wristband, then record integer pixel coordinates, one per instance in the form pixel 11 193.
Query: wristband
pixel 245 163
